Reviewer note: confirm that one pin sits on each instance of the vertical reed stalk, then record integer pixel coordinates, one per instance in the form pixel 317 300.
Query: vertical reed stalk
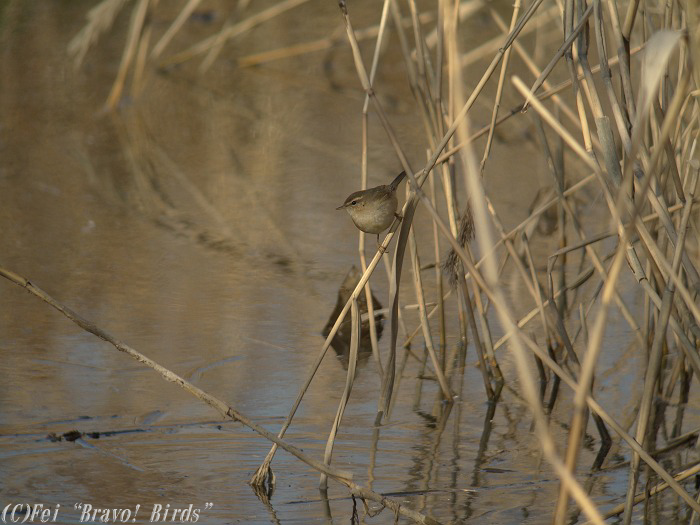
pixel 355 335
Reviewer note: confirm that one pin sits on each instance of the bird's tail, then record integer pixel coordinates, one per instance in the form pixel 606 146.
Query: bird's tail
pixel 394 183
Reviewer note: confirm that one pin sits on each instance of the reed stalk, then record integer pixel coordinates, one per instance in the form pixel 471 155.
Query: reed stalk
pixel 218 405
pixel 355 335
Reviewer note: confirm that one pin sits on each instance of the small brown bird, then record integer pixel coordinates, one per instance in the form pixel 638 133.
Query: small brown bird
pixel 373 210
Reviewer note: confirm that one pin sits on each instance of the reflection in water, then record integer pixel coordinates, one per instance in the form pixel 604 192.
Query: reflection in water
pixel 341 340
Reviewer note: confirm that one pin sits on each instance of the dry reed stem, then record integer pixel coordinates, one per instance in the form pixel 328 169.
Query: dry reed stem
pixel 499 90
pixel 488 365
pixel 137 77
pixel 462 11
pixel 586 375
pixel 389 377
pixel 337 37
pixel 429 101
pixel 341 476
pixel 179 21
pixel 138 18
pixel 355 335
pixel 264 470
pixel 488 342
pixel 294 50
pixel 619 113
pixel 666 269
pixel 486 50
pixel 435 309
pixel 516 111
pixel 538 292
pixel 666 302
pixel 546 359
pixel 684 474
pixel 231 31
pixel 447 180
pixel 438 281
pixel 365 139
pixel 408 210
pixel 484 236
pixel 214 51
pixel 402 325
pixel 422 57
pixel 453 268
pixel 427 335
pixel 410 207
pixel 218 405
pixel 100 19
pixel 615 213
pixel 624 58
pixel 363 262
pixel 653 366
pixel 555 59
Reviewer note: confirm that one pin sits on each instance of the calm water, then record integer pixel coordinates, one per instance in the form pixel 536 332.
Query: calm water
pixel 197 224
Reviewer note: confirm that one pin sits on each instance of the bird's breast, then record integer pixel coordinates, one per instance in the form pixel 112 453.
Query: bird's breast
pixel 375 219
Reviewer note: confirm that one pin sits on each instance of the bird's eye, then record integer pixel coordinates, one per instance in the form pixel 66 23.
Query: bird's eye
pixel 353 202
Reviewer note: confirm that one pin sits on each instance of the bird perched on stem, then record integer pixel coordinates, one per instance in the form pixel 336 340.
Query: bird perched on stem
pixel 373 210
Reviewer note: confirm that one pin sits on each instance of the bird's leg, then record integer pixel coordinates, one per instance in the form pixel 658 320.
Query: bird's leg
pixel 378 243
pixel 399 217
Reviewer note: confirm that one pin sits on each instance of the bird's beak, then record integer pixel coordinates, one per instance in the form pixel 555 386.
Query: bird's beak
pixel 341 207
